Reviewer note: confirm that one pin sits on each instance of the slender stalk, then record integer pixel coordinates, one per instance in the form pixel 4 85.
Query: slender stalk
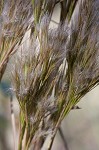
pixel 21 136
pixel 13 122
pixel 63 138
pixel 38 144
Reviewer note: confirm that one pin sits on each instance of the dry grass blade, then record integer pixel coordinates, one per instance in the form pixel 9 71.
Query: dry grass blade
pixel 67 9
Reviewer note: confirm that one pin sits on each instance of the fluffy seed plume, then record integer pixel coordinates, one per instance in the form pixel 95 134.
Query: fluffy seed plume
pixel 56 69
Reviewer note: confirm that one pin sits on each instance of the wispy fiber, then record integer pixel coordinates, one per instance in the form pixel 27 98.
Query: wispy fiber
pixel 57 68
pixel 15 19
